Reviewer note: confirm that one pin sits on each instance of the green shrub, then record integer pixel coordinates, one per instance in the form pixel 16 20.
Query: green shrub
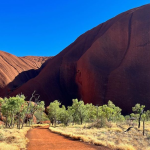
pixel 41 116
pixel 100 124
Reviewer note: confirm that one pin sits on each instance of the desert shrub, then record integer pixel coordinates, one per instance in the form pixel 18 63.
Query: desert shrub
pixel 100 124
pixel 1 137
pixel 41 116
pixel 16 110
pixel 10 139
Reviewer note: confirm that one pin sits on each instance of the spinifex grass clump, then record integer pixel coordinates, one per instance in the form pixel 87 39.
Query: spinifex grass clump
pixel 101 123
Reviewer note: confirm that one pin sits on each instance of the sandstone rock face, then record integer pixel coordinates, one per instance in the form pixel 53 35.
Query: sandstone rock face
pixel 29 117
pixel 15 71
pixel 109 62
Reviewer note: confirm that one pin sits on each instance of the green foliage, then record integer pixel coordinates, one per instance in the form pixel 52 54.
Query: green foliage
pixel 100 123
pixel 82 111
pixel 110 112
pixel 12 107
pixel 136 116
pixel 143 117
pixel 37 109
pixel 120 118
pixel 91 112
pixel 79 111
pixel 65 115
pixel 54 111
pixel 15 109
pixel 138 108
pixel 126 117
pixel 74 110
pixel 40 116
pixel 147 115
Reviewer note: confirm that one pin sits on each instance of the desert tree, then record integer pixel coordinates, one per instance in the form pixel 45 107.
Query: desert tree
pixel 138 109
pixel 115 112
pixel 54 111
pixel 74 110
pixel 147 115
pixel 82 111
pixel 33 105
pixel 40 110
pixel 92 112
pixel 13 108
pixel 65 115
pixel 143 118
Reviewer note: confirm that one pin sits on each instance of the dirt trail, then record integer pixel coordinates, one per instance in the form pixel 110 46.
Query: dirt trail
pixel 42 139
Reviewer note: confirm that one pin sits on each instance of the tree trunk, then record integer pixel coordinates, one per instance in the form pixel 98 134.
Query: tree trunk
pixel 143 126
pixel 73 122
pixel 139 121
pixel 41 115
pixel 55 122
pixel 19 121
pixel 81 121
pixel 6 122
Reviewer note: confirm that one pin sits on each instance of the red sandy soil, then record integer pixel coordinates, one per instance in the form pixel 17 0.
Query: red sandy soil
pixel 42 139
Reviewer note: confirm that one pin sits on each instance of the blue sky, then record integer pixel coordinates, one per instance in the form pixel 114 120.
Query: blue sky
pixel 46 27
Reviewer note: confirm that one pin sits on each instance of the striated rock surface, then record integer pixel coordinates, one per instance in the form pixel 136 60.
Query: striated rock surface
pixel 15 71
pixel 108 62
pixel 36 60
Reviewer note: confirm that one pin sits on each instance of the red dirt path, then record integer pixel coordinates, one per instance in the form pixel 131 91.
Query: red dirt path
pixel 42 139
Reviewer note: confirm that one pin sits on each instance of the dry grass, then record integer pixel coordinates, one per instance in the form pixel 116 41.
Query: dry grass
pixel 13 139
pixel 114 137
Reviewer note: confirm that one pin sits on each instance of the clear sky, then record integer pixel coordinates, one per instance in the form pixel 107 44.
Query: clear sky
pixel 46 27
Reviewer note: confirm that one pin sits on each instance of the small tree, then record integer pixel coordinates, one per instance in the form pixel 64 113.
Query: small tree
pixel 91 112
pixel 74 110
pixel 82 111
pixel 13 108
pixel 139 109
pixel 33 105
pixel 147 115
pixel 107 112
pixel 54 111
pixel 143 117
pixel 65 115
pixel 39 112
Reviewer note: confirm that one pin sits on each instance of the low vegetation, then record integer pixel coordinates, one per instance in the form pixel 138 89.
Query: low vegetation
pixel 13 139
pixel 99 125
pixel 102 125
pixel 114 137
pixel 15 112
